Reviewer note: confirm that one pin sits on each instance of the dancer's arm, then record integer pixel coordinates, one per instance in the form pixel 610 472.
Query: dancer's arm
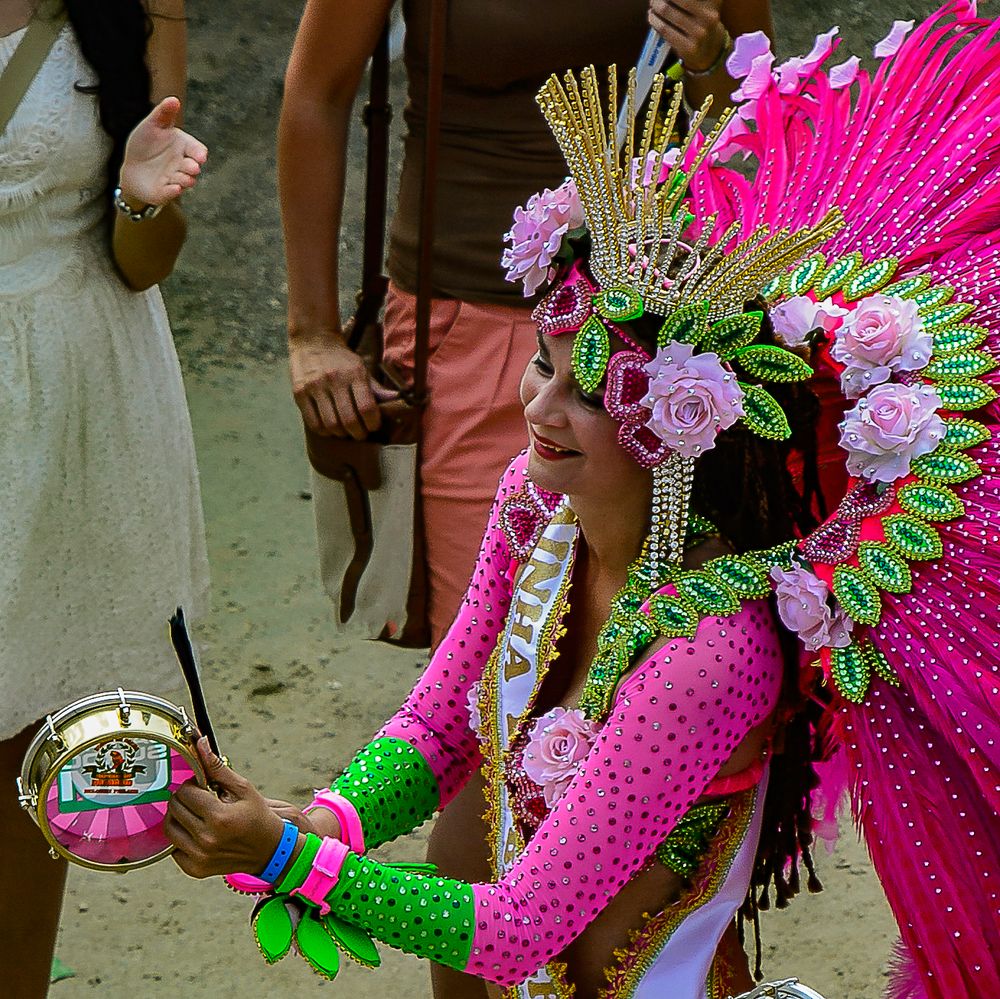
pixel 676 721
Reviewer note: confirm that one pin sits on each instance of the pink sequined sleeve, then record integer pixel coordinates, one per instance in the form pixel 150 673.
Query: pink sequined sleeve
pixel 435 718
pixel 676 720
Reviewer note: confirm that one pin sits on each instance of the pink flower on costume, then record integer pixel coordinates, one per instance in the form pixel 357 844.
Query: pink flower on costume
pixel 794 319
pixel 751 61
pixel 888 428
pixel 804 607
pixel 791 72
pixel 893 41
pixel 883 335
pixel 558 744
pixel 691 398
pixel 537 233
pixel 475 716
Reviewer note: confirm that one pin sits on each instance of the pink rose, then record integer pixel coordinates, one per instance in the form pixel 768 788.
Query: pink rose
pixel 475 716
pixel 888 428
pixel 558 744
pixel 691 398
pixel 882 335
pixel 804 607
pixel 537 233
pixel 794 319
pixel 892 42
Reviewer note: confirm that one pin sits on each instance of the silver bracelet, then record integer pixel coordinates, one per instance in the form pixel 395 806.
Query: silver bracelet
pixel 727 47
pixel 124 208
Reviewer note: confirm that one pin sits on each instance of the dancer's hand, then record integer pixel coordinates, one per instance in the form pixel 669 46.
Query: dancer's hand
pixel 332 387
pixel 692 28
pixel 320 821
pixel 233 831
pixel 161 160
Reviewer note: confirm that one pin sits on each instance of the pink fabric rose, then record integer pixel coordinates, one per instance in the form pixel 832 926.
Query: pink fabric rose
pixel 794 319
pixel 558 744
pixel 475 716
pixel 882 335
pixel 804 607
pixel 893 41
pixel 537 233
pixel 888 428
pixel 691 398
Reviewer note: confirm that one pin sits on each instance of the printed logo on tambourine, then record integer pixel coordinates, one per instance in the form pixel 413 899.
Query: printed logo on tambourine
pixel 110 772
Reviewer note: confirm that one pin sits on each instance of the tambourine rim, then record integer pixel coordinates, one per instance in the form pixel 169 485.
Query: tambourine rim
pixel 59 761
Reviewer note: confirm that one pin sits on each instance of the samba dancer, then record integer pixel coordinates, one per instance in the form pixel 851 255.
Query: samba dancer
pixel 616 669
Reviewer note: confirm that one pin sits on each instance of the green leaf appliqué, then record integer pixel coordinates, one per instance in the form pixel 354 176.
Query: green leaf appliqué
pixel 762 414
pixel 773 364
pixel 687 325
pixel 591 350
pixel 857 595
pixel 272 929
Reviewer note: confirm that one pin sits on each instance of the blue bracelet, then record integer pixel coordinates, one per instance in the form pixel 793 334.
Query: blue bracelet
pixel 281 854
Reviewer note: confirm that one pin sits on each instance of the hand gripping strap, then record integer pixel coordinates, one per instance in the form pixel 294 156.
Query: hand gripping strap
pixel 346 814
pixel 391 788
pixel 323 874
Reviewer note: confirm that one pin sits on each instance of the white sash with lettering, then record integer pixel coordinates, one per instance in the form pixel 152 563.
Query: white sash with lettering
pixel 529 632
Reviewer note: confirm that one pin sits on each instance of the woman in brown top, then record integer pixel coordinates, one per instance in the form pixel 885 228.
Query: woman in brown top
pixel 494 152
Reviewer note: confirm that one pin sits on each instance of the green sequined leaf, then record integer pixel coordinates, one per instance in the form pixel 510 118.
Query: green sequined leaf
pixel 851 673
pixel 884 567
pixel 316 945
pixel 965 396
pixel 857 595
pixel 619 304
pixel 959 366
pixel 962 433
pixel 272 929
pixel 745 578
pixel 728 335
pixel 709 595
pixel 931 298
pixel 837 274
pixel 672 616
pixel 929 501
pixel 773 287
pixel 915 539
pixel 908 287
pixel 870 278
pixel 801 279
pixel 773 364
pixel 591 350
pixel 960 336
pixel 945 467
pixel 879 665
pixel 942 315
pixel 762 414
pixel 353 940
pixel 687 325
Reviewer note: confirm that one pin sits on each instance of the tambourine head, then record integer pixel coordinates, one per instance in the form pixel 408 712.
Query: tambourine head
pixel 98 776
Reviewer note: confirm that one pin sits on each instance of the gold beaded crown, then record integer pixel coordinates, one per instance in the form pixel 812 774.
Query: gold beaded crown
pixel 636 228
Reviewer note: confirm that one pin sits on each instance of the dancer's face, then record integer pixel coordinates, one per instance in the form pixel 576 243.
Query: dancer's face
pixel 574 445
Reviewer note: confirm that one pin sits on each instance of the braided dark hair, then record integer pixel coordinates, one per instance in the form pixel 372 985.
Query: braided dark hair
pixel 112 35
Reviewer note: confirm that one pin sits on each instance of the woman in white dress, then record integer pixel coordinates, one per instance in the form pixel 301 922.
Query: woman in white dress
pixel 100 514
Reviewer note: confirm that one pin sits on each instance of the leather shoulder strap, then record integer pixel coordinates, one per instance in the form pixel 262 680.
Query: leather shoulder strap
pixel 39 37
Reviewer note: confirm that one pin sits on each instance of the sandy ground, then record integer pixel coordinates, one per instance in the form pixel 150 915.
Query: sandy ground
pixel 291 701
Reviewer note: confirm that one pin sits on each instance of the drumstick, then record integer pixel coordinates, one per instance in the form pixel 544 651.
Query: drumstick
pixel 180 638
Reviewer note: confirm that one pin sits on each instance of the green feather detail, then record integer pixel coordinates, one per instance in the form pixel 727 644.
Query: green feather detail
pixel 316 945
pixel 272 929
pixel 773 364
pixel 762 414
pixel 591 350
pixel 687 325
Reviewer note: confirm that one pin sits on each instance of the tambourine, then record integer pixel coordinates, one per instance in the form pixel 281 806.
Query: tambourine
pixel 788 988
pixel 98 776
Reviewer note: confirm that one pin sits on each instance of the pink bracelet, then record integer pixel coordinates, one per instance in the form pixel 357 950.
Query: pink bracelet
pixel 324 873
pixel 346 814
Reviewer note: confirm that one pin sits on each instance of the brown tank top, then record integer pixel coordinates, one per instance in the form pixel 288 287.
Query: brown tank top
pixel 495 148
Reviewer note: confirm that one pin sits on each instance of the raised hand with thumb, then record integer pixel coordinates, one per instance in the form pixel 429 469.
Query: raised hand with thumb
pixel 224 832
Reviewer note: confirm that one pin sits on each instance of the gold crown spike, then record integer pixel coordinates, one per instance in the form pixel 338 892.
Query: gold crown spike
pixel 637 231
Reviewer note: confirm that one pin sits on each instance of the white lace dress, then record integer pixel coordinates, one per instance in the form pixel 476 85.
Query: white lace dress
pixel 101 531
